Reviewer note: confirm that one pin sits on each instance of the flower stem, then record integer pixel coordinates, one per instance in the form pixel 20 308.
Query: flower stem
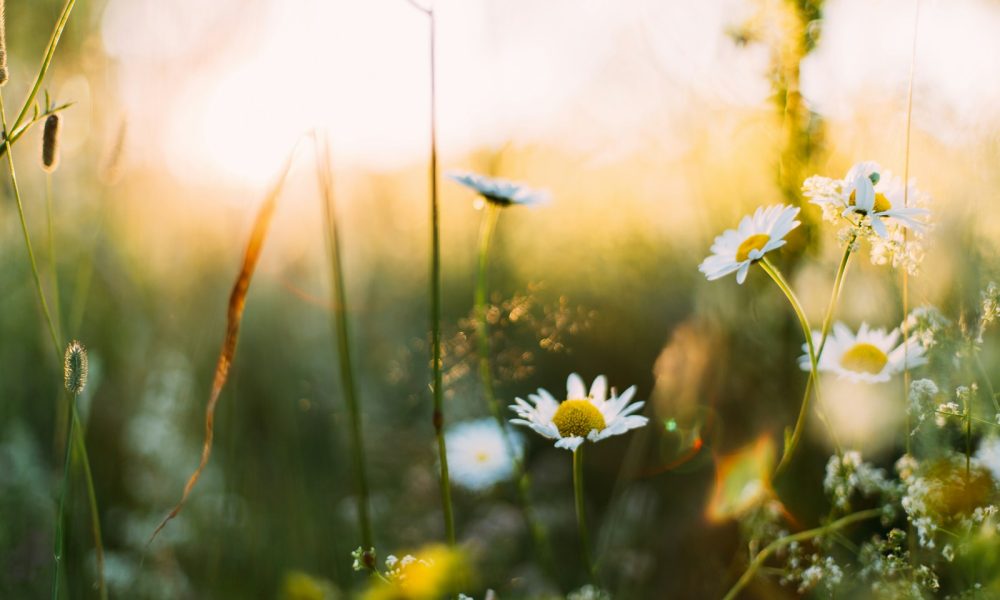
pixel 792 442
pixel 811 382
pixel 487 228
pixel 435 293
pixel 762 556
pixel 342 334
pixel 581 517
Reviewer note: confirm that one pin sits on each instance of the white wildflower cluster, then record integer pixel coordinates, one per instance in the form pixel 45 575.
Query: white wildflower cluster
pixel 955 494
pixel 945 410
pixel 363 559
pixel 887 567
pixel 395 568
pixel 875 205
pixel 914 500
pixel 927 325
pixel 922 405
pixel 811 571
pixel 589 592
pixel 848 474
pixel 901 251
pixel 990 307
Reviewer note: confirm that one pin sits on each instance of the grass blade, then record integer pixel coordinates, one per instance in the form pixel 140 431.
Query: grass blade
pixel 237 302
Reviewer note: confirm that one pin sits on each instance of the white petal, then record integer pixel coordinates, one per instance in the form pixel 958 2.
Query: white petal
pixel 599 389
pixel 570 443
pixel 575 388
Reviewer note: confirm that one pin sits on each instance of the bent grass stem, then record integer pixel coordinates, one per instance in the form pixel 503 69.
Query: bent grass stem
pixel 762 556
pixel 791 443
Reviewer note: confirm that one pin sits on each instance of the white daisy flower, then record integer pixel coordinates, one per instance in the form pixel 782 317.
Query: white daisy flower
pixel 871 356
pixel 869 191
pixel 500 191
pixel 879 195
pixel 478 456
pixel 756 235
pixel 581 416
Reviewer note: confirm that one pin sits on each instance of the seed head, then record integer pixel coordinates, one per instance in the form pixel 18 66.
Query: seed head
pixel 50 143
pixel 75 367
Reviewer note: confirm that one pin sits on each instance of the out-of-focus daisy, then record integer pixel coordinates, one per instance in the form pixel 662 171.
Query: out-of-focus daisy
pixel 756 235
pixel 500 191
pixel 478 456
pixel 582 416
pixel 871 356
pixel 989 455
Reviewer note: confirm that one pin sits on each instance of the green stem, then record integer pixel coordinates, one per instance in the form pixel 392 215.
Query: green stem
pixel 491 214
pixel 581 517
pixel 984 375
pixel 75 427
pixel 811 382
pixel 52 255
pixel 792 442
pixel 50 51
pixel 95 518
pixel 61 514
pixel 776 545
pixel 342 333
pixel 27 236
pixel 435 293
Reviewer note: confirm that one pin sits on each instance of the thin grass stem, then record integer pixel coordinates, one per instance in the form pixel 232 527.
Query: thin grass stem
pixel 60 534
pixel 340 329
pixel 435 296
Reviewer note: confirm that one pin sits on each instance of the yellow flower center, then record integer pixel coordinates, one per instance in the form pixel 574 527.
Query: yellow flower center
pixel 864 358
pixel 576 418
pixel 754 242
pixel 482 457
pixel 882 203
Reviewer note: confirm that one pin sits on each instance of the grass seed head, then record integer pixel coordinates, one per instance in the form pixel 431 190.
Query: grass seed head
pixel 50 143
pixel 75 367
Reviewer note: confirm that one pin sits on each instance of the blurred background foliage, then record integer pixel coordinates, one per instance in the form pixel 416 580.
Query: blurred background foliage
pixel 603 280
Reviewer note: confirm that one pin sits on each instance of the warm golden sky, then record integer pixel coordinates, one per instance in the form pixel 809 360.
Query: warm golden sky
pixel 227 85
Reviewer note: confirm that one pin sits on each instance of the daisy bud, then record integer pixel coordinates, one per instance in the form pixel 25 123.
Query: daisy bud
pixel 50 144
pixel 75 367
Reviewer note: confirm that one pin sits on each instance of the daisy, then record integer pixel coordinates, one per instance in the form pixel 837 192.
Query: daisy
pixel 737 249
pixel 500 191
pixel 581 416
pixel 880 195
pixel 478 456
pixel 869 191
pixel 871 356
